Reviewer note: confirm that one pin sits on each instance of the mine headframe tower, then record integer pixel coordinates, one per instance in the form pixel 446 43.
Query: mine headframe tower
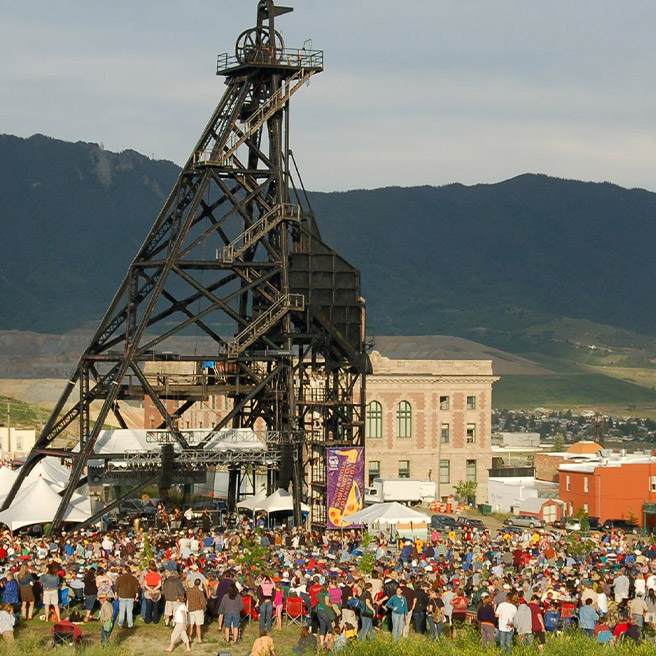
pixel 234 251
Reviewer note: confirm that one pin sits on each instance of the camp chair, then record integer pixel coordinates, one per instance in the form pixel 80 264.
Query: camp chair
pixel 247 610
pixel 604 637
pixel 294 610
pixel 64 637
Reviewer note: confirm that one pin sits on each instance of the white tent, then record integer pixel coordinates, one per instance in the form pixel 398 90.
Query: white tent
pixel 38 503
pixel 386 514
pixel 7 478
pixel 279 501
pixel 52 471
pixel 250 502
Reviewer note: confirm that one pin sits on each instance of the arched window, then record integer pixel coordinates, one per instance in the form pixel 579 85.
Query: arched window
pixel 374 424
pixel 404 420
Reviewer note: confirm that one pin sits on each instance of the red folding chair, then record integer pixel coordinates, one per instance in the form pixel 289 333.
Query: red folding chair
pixel 247 612
pixel 295 610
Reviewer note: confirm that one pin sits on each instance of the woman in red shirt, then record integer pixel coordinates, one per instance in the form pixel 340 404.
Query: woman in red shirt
pixel 459 614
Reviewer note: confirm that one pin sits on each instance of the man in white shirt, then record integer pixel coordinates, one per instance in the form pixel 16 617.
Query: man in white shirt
pixel 506 614
pixel 621 587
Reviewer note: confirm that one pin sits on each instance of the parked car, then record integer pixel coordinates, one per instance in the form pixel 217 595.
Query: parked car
pixel 525 520
pixel 620 524
pixel 511 528
pixel 445 522
pixel 471 522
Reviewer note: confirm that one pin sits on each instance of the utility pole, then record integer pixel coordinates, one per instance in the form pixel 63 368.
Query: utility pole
pixel 8 426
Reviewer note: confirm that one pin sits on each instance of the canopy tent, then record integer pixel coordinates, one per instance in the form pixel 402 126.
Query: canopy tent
pixel 51 470
pixel 279 501
pixel 37 504
pixel 7 478
pixel 250 502
pixel 386 514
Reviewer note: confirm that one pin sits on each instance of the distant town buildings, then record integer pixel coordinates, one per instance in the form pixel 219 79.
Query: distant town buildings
pixel 16 442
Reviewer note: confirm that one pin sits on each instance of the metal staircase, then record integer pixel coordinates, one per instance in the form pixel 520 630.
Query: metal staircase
pixel 263 323
pixel 263 113
pixel 257 230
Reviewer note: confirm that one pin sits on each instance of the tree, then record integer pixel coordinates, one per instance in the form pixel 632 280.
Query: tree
pixel 253 556
pixel 559 442
pixel 466 491
pixel 584 520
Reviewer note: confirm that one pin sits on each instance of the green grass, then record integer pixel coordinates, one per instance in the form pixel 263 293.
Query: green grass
pixel 33 638
pixel 568 390
pixel 23 415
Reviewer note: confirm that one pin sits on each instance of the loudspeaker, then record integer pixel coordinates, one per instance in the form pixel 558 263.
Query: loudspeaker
pixel 286 470
pixel 168 463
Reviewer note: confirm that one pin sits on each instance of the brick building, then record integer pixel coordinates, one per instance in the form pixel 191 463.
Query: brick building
pixel 430 419
pixel 614 487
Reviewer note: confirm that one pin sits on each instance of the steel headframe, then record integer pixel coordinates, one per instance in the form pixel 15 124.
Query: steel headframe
pixel 234 251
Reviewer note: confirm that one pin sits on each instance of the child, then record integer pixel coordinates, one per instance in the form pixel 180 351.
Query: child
pixel 7 621
pixel 179 625
pixel 106 618
pixel 277 604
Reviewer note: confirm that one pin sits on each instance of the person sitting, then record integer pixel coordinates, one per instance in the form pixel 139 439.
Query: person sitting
pixel 306 642
pixel 621 629
pixel 65 631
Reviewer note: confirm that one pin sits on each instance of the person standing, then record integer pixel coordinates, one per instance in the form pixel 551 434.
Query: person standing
pixel 367 612
pixel 421 606
pixel 537 621
pixel 487 621
pixel 179 626
pixel 26 582
pixel 127 591
pixel 523 622
pixel 266 593
pixel 506 614
pixel 152 593
pixel 459 605
pixel 106 618
pixel 90 592
pixel 172 589
pixel 50 584
pixel 638 609
pixel 196 605
pixel 230 609
pixel 399 607
pixel 588 618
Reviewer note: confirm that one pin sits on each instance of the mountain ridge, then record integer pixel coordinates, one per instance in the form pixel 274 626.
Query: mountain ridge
pixel 489 261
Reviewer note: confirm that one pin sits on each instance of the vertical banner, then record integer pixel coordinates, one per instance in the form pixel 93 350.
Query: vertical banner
pixel 345 483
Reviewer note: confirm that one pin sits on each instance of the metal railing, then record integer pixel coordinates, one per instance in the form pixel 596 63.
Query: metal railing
pixel 267 56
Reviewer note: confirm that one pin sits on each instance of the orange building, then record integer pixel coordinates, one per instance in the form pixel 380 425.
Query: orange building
pixel 614 487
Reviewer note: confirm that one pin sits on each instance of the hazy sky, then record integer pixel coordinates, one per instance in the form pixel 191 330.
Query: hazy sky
pixel 413 92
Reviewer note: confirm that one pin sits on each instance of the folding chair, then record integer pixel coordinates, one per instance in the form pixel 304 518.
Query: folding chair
pixel 247 610
pixel 64 637
pixel 295 610
pixel 604 637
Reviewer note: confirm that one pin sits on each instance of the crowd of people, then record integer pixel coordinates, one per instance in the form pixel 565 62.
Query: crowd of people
pixel 337 586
